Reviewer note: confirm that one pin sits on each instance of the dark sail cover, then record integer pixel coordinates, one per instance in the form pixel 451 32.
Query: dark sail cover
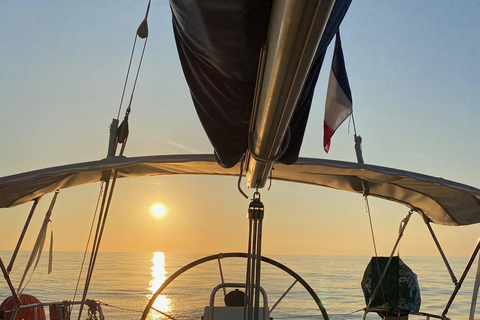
pixel 400 292
pixel 219 45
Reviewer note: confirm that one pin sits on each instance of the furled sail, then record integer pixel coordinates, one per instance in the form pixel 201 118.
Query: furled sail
pixel 219 45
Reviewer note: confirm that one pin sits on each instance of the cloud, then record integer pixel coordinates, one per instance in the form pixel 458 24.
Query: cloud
pixel 182 147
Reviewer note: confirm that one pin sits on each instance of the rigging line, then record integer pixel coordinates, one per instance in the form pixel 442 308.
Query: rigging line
pixel 367 209
pixel 240 177
pixel 128 73
pixel 96 239
pixel 130 63
pixel 138 71
pixel 400 230
pixel 382 277
pixel 248 273
pixel 88 240
pixel 353 123
pixel 271 178
pixel 96 249
pixel 106 202
pixel 117 307
pixel 101 226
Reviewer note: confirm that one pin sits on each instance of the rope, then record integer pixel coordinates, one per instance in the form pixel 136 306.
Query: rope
pixel 88 241
pixel 382 276
pixel 130 65
pixel 138 71
pixel 367 209
pixel 120 308
pixel 126 78
pixel 353 123
pixel 98 236
pixel 270 178
pixel 102 218
pixel 121 138
pixel 240 177
pixel 95 247
pixel 366 192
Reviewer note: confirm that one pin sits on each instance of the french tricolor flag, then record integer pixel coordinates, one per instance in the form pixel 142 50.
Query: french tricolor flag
pixel 338 105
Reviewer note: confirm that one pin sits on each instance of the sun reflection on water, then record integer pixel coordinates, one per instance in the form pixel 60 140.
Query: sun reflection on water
pixel 162 303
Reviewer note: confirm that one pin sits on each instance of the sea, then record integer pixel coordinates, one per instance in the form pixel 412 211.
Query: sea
pixel 123 283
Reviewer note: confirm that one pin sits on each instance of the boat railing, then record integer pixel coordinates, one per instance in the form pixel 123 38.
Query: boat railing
pixel 61 310
pixel 427 316
pixel 235 285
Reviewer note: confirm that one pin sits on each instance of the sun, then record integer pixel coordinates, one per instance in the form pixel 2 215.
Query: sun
pixel 158 210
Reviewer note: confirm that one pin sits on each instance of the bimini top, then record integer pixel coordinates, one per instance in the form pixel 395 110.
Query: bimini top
pixel 441 201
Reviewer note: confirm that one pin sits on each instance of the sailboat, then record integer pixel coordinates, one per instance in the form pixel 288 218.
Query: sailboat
pixel 266 75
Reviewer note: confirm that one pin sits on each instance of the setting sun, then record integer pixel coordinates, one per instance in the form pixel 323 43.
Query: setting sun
pixel 158 210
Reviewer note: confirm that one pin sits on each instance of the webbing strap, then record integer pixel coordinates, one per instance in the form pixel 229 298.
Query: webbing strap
pixel 37 248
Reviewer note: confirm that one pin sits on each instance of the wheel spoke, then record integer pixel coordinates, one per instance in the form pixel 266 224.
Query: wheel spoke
pixel 283 295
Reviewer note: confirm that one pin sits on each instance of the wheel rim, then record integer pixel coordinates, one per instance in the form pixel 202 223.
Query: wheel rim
pixel 200 261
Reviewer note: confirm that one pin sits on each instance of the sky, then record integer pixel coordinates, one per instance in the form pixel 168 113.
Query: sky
pixel 414 71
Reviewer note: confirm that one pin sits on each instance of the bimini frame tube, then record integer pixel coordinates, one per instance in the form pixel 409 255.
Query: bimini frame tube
pixel 473 305
pixel 20 240
pixel 434 237
pixel 9 282
pixel 462 278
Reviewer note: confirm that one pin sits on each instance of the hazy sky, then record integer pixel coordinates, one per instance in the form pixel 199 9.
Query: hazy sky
pixel 414 70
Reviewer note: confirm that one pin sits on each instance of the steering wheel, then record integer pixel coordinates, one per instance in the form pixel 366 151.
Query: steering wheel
pixel 200 261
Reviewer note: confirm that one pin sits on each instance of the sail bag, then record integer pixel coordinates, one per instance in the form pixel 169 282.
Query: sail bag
pixel 400 292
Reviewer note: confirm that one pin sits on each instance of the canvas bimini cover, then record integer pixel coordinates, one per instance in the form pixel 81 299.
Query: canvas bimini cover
pixel 438 200
pixel 219 44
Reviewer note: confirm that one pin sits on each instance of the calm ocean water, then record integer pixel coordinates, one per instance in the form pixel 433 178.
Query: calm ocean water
pixel 123 282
